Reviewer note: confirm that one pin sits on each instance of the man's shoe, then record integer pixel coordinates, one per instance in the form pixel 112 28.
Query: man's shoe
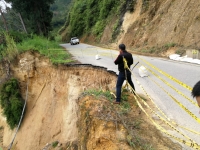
pixel 116 103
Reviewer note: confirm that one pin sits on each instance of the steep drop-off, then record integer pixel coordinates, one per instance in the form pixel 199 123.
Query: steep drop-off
pixel 52 109
pixel 57 110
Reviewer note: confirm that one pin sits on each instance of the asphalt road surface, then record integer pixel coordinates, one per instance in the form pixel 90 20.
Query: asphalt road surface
pixel 185 72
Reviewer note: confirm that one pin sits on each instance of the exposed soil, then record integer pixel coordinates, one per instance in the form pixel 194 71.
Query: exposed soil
pixel 162 22
pixel 58 111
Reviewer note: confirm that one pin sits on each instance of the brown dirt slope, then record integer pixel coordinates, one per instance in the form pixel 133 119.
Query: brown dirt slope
pixel 160 22
pixel 56 112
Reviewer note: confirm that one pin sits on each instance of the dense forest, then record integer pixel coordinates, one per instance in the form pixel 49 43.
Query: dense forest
pixel 60 9
pixel 34 17
pixel 91 16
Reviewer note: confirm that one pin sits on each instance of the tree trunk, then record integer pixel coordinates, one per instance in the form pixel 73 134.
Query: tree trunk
pixel 22 22
pixel 39 28
pixel 4 20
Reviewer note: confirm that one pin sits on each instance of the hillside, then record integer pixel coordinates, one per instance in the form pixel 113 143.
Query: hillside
pixel 65 111
pixel 146 25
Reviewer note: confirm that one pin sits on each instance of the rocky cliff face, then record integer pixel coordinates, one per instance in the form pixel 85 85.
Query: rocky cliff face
pixel 160 22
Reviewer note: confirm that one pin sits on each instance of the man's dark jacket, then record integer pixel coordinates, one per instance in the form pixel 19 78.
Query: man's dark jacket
pixel 120 63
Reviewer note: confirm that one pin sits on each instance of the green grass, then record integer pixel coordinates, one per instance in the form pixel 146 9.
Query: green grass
pixel 99 93
pixel 47 48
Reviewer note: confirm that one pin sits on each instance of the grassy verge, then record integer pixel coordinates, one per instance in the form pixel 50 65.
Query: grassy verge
pixel 47 48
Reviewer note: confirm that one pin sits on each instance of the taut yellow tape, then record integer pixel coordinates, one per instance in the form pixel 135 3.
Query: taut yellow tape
pixel 167 75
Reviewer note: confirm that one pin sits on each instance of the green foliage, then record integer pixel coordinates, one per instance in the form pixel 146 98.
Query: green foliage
pixel 47 48
pixel 54 144
pixel 180 51
pixel 169 45
pixel 160 49
pixel 10 51
pixel 145 5
pixel 98 28
pixel 11 102
pixel 18 36
pixel 60 10
pixel 116 29
pixel 99 93
pixel 13 22
pixel 89 16
pixel 36 15
pixel 2 44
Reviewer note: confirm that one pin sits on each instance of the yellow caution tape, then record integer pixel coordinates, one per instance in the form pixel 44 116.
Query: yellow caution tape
pixel 188 143
pixel 167 83
pixel 165 116
pixel 167 75
pixel 165 121
pixel 113 94
pixel 179 103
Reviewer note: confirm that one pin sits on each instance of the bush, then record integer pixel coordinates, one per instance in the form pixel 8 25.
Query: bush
pixel 18 37
pixel 47 48
pixel 10 51
pixel 180 51
pixel 54 144
pixel 11 102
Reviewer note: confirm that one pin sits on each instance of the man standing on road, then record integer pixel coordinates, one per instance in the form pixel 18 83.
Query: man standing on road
pixel 123 73
pixel 196 93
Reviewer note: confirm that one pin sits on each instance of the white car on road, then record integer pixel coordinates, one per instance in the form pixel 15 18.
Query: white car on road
pixel 74 41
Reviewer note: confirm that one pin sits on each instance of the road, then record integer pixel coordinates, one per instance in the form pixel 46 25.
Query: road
pixel 186 72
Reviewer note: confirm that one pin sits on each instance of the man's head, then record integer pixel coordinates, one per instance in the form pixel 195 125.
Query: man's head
pixel 122 47
pixel 196 92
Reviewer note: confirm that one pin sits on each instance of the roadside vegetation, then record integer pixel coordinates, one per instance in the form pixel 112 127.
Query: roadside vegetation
pixel 11 102
pixel 124 114
pixel 34 35
pixel 47 48
pixel 60 9
pixel 80 22
pixel 12 45
pixel 160 50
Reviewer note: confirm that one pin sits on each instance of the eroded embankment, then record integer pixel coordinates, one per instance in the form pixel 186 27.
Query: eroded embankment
pixel 57 111
pixel 52 109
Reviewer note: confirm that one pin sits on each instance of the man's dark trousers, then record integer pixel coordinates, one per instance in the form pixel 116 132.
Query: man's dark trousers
pixel 120 80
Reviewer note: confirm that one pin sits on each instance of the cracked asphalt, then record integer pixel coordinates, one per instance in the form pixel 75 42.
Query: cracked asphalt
pixel 185 72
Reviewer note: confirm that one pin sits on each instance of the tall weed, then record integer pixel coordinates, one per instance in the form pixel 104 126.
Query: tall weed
pixel 10 52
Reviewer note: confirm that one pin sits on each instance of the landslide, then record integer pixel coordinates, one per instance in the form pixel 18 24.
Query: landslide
pixel 60 113
pixel 160 22
pixel 147 26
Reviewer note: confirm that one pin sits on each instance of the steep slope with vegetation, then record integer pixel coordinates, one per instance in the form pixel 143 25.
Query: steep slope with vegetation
pixel 90 17
pixel 36 15
pixel 70 107
pixel 60 9
pixel 151 25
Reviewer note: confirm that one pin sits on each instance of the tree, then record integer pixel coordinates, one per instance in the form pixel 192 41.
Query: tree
pixel 3 18
pixel 36 14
